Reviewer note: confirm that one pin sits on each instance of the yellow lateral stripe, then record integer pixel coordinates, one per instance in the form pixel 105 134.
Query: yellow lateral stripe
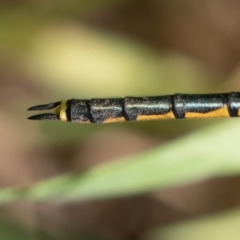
pixel 221 112
pixel 112 120
pixel 156 117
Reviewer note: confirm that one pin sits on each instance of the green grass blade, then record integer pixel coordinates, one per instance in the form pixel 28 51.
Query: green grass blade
pixel 204 154
pixel 214 227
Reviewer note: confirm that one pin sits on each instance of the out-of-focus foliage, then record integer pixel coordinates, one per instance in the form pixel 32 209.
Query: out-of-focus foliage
pixel 217 227
pixel 167 166
pixel 54 50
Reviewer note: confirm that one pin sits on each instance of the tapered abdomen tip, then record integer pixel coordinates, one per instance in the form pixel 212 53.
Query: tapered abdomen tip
pixel 44 116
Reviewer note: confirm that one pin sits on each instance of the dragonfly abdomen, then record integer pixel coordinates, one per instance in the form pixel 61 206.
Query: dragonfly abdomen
pixel 177 106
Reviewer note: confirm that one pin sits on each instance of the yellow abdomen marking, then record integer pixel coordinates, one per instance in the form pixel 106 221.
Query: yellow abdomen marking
pixel 63 108
pixel 221 112
pixel 113 120
pixel 156 117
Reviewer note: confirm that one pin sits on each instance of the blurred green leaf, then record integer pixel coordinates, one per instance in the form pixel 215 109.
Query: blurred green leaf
pixel 215 227
pixel 207 153
pixel 64 58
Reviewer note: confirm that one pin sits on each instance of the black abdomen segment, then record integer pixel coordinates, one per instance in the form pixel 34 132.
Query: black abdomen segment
pixel 178 106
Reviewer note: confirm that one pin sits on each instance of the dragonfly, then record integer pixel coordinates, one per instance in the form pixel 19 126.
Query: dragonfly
pixel 109 110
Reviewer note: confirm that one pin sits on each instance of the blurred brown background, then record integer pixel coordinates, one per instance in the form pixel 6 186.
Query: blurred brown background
pixel 53 50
